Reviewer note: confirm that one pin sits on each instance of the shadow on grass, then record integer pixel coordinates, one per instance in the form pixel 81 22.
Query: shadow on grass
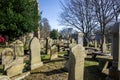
pixel 1 70
pixel 93 73
pixel 50 61
pixel 91 59
pixel 49 73
pixel 97 59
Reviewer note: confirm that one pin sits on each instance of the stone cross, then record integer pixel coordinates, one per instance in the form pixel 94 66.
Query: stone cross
pixel 76 63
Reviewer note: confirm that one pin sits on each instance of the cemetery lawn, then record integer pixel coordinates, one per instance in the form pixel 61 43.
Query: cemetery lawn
pixel 1 69
pixel 53 70
pixel 1 50
pixel 92 71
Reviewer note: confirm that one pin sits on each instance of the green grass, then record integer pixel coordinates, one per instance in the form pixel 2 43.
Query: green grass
pixel 62 53
pixel 92 70
pixel 90 63
pixel 45 57
pixel 1 69
pixel 1 50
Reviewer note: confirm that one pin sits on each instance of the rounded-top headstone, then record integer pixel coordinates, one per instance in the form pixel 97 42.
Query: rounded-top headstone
pixel 35 53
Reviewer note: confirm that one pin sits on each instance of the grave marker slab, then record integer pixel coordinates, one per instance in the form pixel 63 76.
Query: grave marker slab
pixel 35 53
pixel 115 69
pixel 76 63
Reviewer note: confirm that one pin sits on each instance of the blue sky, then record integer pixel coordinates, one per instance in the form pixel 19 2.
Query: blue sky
pixel 51 10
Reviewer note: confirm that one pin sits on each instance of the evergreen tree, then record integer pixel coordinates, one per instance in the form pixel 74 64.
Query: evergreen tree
pixel 54 34
pixel 18 17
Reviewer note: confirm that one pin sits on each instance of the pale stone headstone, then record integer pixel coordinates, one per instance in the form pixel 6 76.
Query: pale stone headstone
pixel 18 47
pixel 16 67
pixel 42 43
pixel 95 43
pixel 13 64
pixel 76 63
pixel 4 78
pixel 7 55
pixel 73 41
pixel 115 69
pixel 80 38
pixel 53 52
pixel 35 57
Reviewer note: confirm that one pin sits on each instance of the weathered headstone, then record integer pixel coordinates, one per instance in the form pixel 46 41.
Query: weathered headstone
pixel 66 67
pixel 80 38
pixel 16 67
pixel 76 63
pixel 13 63
pixel 7 56
pixel 35 57
pixel 4 78
pixel 115 69
pixel 95 43
pixel 73 41
pixel 18 47
pixel 53 52
pixel 49 43
pixel 42 43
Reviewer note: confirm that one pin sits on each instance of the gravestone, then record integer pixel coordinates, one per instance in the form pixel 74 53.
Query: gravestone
pixel 76 63
pixel 13 63
pixel 7 56
pixel 4 78
pixel 115 69
pixel 80 38
pixel 49 43
pixel 73 41
pixel 53 52
pixel 95 43
pixel 18 47
pixel 16 67
pixel 42 43
pixel 35 57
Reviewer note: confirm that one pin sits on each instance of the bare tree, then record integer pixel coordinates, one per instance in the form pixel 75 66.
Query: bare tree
pixel 78 14
pixel 45 29
pixel 116 8
pixel 105 13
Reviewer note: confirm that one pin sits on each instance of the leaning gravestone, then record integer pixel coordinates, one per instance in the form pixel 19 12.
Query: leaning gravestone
pixel 76 63
pixel 4 78
pixel 7 57
pixel 35 57
pixel 13 64
pixel 115 69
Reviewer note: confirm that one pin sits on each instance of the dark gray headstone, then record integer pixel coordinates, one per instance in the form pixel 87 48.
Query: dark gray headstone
pixel 114 71
pixel 116 45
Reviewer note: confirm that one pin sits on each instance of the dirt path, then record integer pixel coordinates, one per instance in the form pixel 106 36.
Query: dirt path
pixel 51 70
